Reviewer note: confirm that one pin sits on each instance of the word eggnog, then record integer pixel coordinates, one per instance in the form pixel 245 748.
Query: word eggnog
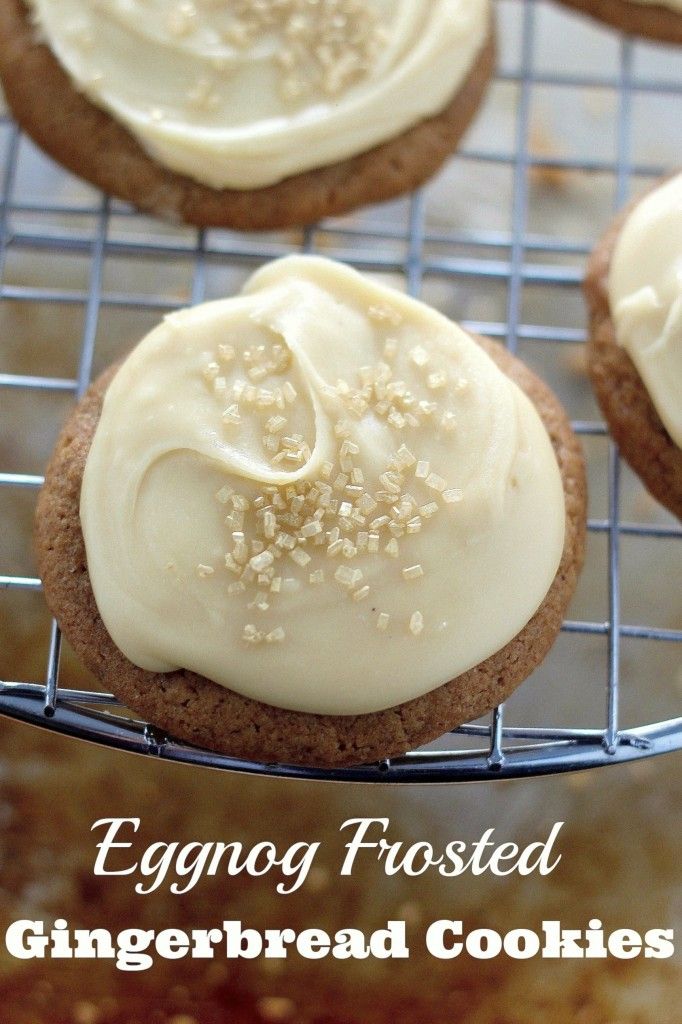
pixel 182 866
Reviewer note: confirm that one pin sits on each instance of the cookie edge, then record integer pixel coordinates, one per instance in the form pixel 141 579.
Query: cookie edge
pixel 650 21
pixel 82 137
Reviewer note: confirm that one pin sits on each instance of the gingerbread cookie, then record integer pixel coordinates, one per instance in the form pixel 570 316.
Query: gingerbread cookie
pixel 643 417
pixel 360 123
pixel 334 550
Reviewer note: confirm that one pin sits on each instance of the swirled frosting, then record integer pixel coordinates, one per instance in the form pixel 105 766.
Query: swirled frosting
pixel 645 296
pixel 321 494
pixel 242 94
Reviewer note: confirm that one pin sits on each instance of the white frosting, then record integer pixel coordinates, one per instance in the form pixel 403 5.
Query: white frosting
pixel 456 555
pixel 645 296
pixel 306 85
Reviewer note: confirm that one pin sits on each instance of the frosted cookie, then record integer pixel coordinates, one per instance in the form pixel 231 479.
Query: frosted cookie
pixel 659 21
pixel 247 115
pixel 315 523
pixel 633 288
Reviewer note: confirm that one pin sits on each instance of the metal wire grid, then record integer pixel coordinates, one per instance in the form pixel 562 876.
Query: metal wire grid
pixel 504 751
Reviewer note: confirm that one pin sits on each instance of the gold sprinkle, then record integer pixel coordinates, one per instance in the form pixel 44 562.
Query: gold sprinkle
pixel 311 529
pixel 367 504
pixel 391 481
pixel 240 549
pixel 404 458
pixel 231 415
pixel 392 548
pixel 224 494
pixel 275 424
pixel 299 556
pixel 384 314
pixel 251 634
pixel 427 408
pixel 265 398
pixel 348 577
pixel 349 550
pixel 435 482
pixel 416 623
pixel 436 380
pixel 257 373
pixel 260 602
pixel 211 371
pixel 235 521
pixel 269 524
pixel 452 495
pixel 342 428
pixel 262 561
pixel 380 521
pixel 390 348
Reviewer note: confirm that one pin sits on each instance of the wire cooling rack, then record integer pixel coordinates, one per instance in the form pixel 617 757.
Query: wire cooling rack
pixel 499 751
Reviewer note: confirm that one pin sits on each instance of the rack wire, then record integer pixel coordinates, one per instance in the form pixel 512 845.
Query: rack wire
pixel 501 751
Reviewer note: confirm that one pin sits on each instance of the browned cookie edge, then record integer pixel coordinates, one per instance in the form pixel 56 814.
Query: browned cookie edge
pixel 92 144
pixel 203 713
pixel 651 20
pixel 623 398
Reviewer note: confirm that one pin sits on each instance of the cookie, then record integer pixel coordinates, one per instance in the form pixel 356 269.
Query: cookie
pixel 655 21
pixel 91 144
pixel 200 712
pixel 624 400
